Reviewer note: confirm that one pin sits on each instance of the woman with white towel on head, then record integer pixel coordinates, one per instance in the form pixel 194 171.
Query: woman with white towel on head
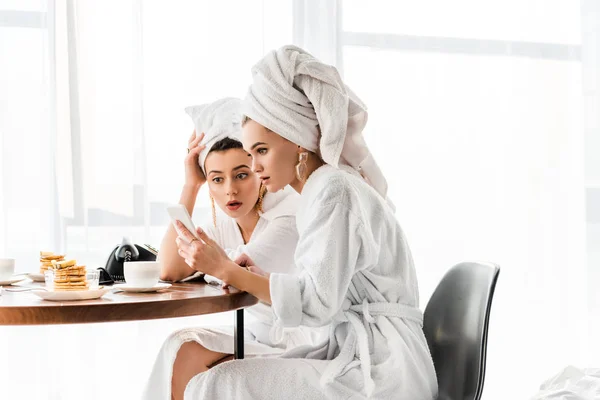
pixel 216 158
pixel 256 224
pixel 303 127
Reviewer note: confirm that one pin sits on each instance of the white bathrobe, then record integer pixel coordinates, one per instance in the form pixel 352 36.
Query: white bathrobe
pixel 357 275
pixel 271 247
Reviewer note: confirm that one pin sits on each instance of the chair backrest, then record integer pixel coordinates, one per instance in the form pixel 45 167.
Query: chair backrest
pixel 456 323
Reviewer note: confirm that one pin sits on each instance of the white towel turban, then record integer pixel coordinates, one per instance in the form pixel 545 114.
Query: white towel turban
pixel 305 101
pixel 218 120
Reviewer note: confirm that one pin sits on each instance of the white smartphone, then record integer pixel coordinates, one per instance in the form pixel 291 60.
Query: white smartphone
pixel 178 212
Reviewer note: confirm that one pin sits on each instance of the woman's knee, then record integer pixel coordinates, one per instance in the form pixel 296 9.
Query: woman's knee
pixel 192 353
pixel 188 362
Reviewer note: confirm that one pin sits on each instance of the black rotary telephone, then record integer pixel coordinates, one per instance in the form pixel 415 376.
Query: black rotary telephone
pixel 126 251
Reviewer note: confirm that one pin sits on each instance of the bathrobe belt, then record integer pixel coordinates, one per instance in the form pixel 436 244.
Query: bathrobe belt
pixel 359 316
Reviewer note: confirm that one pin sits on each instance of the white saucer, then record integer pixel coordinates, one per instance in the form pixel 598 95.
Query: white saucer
pixel 13 279
pixel 36 276
pixel 72 295
pixel 137 289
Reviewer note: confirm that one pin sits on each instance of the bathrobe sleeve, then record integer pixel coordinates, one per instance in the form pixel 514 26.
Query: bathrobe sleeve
pixel 328 253
pixel 273 249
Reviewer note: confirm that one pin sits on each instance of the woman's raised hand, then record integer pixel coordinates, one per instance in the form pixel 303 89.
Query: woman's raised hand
pixel 203 254
pixel 193 174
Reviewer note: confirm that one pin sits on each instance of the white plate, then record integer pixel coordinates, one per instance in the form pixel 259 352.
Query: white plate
pixel 128 288
pixel 13 279
pixel 72 295
pixel 36 276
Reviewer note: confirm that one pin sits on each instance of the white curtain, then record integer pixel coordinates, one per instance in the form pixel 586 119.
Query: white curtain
pixel 136 66
pixel 26 182
pixel 591 90
pixel 485 117
pixel 92 141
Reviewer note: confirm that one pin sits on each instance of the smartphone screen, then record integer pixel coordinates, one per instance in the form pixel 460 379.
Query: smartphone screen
pixel 179 213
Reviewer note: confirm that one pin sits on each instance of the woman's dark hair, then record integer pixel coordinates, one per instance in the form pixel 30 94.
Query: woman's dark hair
pixel 226 144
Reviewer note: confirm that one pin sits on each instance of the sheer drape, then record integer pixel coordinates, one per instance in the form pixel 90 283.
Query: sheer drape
pixel 484 117
pixel 92 138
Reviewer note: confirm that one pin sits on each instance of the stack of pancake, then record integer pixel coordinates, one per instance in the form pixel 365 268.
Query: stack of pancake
pixel 69 276
pixel 46 259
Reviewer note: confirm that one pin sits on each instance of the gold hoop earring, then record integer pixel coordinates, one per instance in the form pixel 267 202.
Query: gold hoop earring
pixel 261 194
pixel 301 167
pixel 214 212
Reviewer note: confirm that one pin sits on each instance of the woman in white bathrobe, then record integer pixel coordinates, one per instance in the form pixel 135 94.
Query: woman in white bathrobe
pixel 263 228
pixel 252 218
pixel 304 129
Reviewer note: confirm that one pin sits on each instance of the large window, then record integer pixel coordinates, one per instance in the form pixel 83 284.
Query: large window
pixel 476 117
pixel 92 139
pixel 132 69
pixel 483 116
pixel 26 133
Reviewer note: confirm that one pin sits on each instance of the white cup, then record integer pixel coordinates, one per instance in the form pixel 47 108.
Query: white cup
pixel 7 268
pixel 141 273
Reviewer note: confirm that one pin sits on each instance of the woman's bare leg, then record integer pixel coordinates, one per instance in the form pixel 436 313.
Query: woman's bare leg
pixel 227 357
pixel 192 359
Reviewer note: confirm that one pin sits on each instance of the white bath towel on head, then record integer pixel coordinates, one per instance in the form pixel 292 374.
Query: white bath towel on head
pixel 306 102
pixel 217 120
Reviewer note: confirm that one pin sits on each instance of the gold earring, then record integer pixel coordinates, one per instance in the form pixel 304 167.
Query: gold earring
pixel 261 194
pixel 214 212
pixel 301 167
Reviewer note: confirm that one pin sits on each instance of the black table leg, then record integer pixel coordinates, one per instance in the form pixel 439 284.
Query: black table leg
pixel 238 335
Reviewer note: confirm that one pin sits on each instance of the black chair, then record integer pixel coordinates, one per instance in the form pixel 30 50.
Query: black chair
pixel 456 323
